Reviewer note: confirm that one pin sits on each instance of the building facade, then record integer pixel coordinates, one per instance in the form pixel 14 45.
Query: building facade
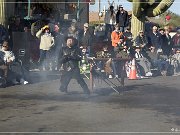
pixel 32 9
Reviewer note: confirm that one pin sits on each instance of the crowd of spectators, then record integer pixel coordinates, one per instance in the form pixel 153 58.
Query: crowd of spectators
pixel 155 50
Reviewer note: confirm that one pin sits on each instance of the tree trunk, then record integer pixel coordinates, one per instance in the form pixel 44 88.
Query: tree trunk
pixel 137 24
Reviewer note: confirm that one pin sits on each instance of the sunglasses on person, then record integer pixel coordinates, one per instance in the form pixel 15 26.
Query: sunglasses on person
pixel 5 46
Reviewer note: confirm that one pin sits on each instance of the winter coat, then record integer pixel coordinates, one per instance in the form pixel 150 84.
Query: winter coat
pixel 87 38
pixel 46 40
pixel 69 57
pixel 154 40
pixel 122 18
pixel 115 37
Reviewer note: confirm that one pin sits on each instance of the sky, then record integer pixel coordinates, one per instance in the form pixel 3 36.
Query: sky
pixel 175 7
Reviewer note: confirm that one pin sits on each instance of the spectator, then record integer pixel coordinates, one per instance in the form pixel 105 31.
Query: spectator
pixel 122 18
pixel 142 62
pixel 161 31
pixel 162 62
pixel 159 61
pixel 117 39
pixel 176 40
pixel 175 62
pixel 84 64
pixel 46 43
pixel 152 57
pixel 3 66
pixel 16 26
pixel 141 40
pixel 110 20
pixel 129 41
pixel 87 38
pixel 154 38
pixel 120 48
pixel 73 31
pixel 15 71
pixel 166 43
pixel 102 65
pixel 129 37
pixel 58 44
pixel 3 34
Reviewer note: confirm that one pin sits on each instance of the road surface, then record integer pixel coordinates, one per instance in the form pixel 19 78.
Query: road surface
pixel 144 106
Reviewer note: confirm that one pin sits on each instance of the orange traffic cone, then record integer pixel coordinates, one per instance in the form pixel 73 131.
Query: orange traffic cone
pixel 132 74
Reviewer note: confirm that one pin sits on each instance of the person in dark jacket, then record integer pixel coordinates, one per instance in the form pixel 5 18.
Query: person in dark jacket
pixel 166 43
pixel 122 18
pixel 129 41
pixel 87 38
pixel 58 44
pixel 3 66
pixel 154 38
pixel 141 40
pixel 176 41
pixel 3 34
pixel 15 72
pixel 70 56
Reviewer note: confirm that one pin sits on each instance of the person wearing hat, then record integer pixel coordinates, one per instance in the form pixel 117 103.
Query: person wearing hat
pixel 46 43
pixel 122 18
pixel 86 38
pixel 142 62
pixel 141 40
pixel 109 20
pixel 69 57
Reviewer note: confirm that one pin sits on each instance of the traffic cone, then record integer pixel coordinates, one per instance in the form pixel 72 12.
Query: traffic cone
pixel 132 74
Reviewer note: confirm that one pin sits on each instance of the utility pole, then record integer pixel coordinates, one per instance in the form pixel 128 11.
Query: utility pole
pixel 29 8
pixel 78 4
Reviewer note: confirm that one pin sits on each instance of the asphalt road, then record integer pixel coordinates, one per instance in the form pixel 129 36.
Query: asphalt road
pixel 144 106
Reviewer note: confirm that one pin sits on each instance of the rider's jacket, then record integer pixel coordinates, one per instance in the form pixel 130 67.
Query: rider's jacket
pixel 69 57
